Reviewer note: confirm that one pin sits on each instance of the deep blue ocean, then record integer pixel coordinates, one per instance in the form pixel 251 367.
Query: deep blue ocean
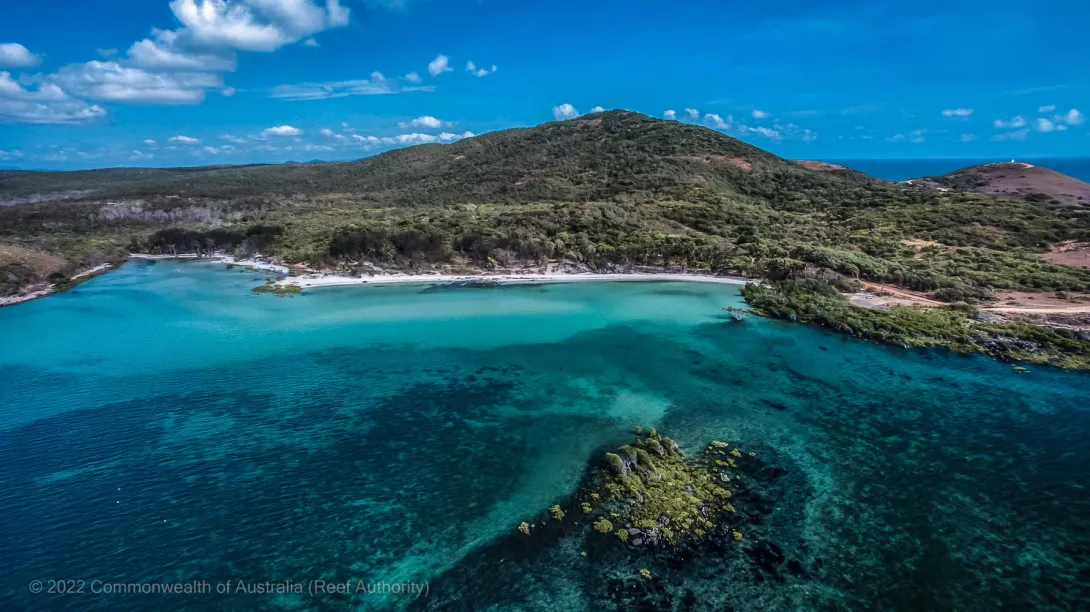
pixel 904 169
pixel 162 424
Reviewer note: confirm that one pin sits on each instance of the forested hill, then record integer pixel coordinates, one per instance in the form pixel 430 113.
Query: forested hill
pixel 603 191
pixel 591 158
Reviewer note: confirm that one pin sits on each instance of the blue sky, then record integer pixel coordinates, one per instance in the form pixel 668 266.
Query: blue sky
pixel 192 82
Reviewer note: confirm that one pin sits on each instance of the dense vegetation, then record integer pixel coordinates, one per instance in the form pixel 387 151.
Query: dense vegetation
pixel 959 327
pixel 604 191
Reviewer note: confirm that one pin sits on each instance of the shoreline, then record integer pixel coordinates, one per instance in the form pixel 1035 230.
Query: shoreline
pixel 322 279
pixel 336 280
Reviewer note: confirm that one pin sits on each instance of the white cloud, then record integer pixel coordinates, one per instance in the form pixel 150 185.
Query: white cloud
pixel 212 150
pixel 227 92
pixel 256 25
pixel 448 137
pixel 693 113
pixel 1044 125
pixel 1015 135
pixel 328 133
pixel 185 139
pixel 8 155
pixel 896 138
pixel 1048 108
pixel 14 55
pixel 310 42
pixel 716 121
pixel 341 89
pixel 412 77
pixel 769 133
pixel 968 137
pixel 161 54
pixel 439 65
pixel 48 104
pixel 957 112
pixel 234 139
pixel 113 82
pixel 426 121
pixel 138 154
pixel 1072 117
pixel 564 111
pixel 670 114
pixel 1015 122
pixel 760 114
pixel 149 142
pixel 479 72
pixel 281 130
pixel 598 109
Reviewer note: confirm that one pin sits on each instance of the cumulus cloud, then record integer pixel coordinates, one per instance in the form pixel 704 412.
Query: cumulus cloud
pixel 48 104
pixel 185 140
pixel 716 121
pixel 234 139
pixel 1015 122
pixel 449 137
pixel 770 133
pixel 161 54
pixel 564 111
pixel 1072 117
pixel 426 121
pixel 149 142
pixel 760 114
pixel 412 77
pixel 1044 125
pixel 310 42
pixel 256 25
pixel 1048 108
pixel 598 109
pixel 896 138
pixel 479 72
pixel 692 113
pixel 670 114
pixel 281 130
pixel 439 65
pixel 113 82
pixel 957 112
pixel 139 155
pixel 14 55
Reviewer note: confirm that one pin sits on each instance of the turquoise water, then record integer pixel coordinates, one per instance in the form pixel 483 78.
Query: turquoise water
pixel 161 424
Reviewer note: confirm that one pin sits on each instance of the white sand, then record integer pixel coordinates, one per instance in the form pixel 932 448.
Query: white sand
pixel 313 281
pixel 226 259
pixel 332 280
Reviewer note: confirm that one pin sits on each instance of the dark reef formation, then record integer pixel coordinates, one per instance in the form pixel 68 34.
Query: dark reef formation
pixel 645 526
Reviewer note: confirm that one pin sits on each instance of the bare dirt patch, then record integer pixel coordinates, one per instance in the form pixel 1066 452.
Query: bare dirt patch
pixel 1070 254
pixel 1024 301
pixel 819 166
pixel 42 264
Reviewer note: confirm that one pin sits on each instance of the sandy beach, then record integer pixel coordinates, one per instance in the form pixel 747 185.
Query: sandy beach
pixel 314 281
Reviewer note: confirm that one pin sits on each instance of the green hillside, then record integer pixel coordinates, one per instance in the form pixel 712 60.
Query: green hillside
pixel 605 190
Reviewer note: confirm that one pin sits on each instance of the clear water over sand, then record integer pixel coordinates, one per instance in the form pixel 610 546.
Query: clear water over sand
pixel 161 423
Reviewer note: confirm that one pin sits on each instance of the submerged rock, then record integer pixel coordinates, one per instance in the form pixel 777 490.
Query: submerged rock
pixel 648 494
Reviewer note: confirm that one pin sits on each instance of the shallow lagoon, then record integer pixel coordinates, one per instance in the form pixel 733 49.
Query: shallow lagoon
pixel 162 423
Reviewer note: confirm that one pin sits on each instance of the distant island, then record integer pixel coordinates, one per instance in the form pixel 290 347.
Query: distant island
pixel 994 256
